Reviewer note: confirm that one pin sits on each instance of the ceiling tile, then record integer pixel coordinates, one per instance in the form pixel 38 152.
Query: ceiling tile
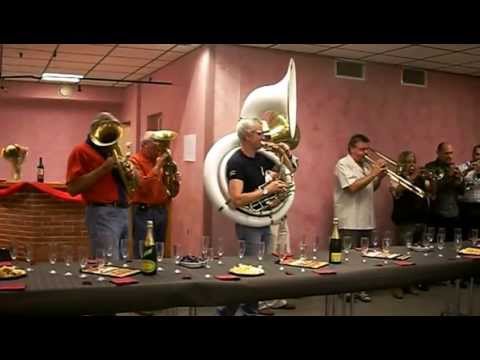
pixel 63 70
pixel 459 69
pixel 8 72
pixel 304 48
pixel 27 54
pixel 475 51
pixel 91 59
pixel 417 52
pixel 114 60
pixel 157 64
pixel 97 83
pixel 330 45
pixel 456 58
pixel 25 62
pixel 148 46
pixel 23 68
pixel 474 64
pixel 373 48
pixel 115 68
pixel 38 47
pixel 424 64
pixel 82 67
pixel 136 53
pixel 85 49
pixel 136 77
pixel 171 55
pixel 344 53
pixel 258 45
pixel 385 59
pixel 107 74
pixel 454 47
pixel 183 48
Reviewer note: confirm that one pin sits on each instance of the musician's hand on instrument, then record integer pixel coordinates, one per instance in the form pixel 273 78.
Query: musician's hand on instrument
pixel 285 148
pixel 276 186
pixel 379 168
pixel 109 163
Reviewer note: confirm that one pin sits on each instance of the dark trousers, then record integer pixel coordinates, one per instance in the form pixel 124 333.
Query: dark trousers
pixel 141 214
pixel 470 215
pixel 438 221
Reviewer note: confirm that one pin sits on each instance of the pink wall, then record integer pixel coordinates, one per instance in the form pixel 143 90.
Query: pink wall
pixel 183 106
pixel 34 115
pixel 330 110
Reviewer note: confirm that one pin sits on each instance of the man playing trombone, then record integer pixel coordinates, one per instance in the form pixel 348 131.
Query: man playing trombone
pixel 353 198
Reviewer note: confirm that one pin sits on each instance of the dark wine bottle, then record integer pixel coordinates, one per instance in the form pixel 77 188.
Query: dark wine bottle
pixel 149 256
pixel 40 171
pixel 335 254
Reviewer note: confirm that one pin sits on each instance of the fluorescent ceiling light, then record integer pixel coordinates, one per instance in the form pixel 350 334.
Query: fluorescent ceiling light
pixel 69 78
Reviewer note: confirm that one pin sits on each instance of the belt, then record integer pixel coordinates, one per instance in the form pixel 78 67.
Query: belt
pixel 143 206
pixel 112 204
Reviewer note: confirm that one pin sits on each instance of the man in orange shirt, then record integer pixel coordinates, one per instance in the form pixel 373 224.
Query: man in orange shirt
pixel 150 200
pixel 91 172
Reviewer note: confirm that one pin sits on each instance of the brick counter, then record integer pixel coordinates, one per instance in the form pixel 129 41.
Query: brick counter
pixel 33 217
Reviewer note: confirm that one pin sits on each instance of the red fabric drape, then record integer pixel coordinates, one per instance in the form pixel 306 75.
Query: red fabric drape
pixel 58 194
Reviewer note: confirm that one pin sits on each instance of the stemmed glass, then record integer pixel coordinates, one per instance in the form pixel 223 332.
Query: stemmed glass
pixel 428 239
pixel 260 251
pixel 282 253
pixel 440 243
pixel 68 258
pixel 347 245
pixel 100 258
pixel 408 241
pixel 220 250
pixel 375 243
pixel 205 246
pixel 82 259
pixel 177 253
pixel 474 236
pixel 458 240
pixel 386 243
pixel 109 249
pixel 29 256
pixel 160 247
pixel 364 243
pixel 209 259
pixel 315 247
pixel 241 249
pixel 52 256
pixel 13 250
pixel 124 252
pixel 303 248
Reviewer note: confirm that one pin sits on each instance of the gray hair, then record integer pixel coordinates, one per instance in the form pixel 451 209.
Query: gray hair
pixel 245 125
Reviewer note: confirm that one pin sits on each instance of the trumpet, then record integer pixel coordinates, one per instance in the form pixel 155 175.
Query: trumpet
pixel 392 173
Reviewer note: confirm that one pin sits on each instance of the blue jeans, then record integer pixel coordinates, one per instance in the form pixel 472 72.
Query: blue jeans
pixel 141 214
pixel 252 236
pixel 104 224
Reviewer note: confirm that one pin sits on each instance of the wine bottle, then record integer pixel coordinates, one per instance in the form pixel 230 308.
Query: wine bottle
pixel 40 171
pixel 149 256
pixel 335 254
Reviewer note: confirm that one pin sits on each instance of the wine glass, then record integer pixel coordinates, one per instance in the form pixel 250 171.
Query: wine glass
pixel 82 259
pixel 260 251
pixel 13 250
pixel 29 256
pixel 124 251
pixel 458 240
pixel 347 245
pixel 474 236
pixel 52 256
pixel 241 249
pixel 220 250
pixel 387 242
pixel 282 253
pixel 315 247
pixel 205 246
pixel 160 247
pixel 364 243
pixel 408 236
pixel 68 258
pixel 440 243
pixel 109 249
pixel 427 240
pixel 209 259
pixel 303 248
pixel 177 253
pixel 100 258
pixel 375 243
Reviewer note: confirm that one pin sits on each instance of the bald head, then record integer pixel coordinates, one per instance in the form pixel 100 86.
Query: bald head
pixel 445 153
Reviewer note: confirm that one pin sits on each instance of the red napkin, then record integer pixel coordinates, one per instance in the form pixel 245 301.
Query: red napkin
pixel 13 287
pixel 6 263
pixel 472 257
pixel 404 263
pixel 227 277
pixel 124 281
pixel 325 272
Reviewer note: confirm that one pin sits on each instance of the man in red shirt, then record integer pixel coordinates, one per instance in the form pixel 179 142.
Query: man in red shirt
pixel 91 172
pixel 150 200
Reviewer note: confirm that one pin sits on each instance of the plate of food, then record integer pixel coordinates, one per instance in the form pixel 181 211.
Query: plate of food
pixel 380 255
pixel 311 264
pixel 246 270
pixel 8 272
pixel 470 251
pixel 192 262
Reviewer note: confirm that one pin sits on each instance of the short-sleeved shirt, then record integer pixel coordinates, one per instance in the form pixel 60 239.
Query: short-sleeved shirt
pixel 84 159
pixel 151 189
pixel 472 195
pixel 251 171
pixel 355 211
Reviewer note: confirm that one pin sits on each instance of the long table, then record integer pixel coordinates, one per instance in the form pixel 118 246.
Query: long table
pixel 48 294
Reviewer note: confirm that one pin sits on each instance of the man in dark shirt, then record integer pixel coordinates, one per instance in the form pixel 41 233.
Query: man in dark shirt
pixel 444 208
pixel 246 171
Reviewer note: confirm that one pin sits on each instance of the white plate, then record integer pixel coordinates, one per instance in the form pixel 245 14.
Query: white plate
pixel 193 265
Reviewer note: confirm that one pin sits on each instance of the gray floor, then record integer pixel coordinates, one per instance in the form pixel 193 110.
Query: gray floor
pixel 427 303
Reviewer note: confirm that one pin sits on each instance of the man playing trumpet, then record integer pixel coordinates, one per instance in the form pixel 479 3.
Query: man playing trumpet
pixel 470 201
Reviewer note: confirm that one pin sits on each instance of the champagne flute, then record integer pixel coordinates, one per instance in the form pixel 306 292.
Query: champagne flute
pixel 13 250
pixel 375 243
pixel 208 260
pixel 347 245
pixel 160 247
pixel 458 240
pixel 52 256
pixel 177 253
pixel 68 258
pixel 82 259
pixel 29 256
pixel 124 251
pixel 315 247
pixel 386 243
pixel 241 249
pixel 205 246
pixel 408 241
pixel 282 253
pixel 220 250
pixel 440 243
pixel 109 250
pixel 364 243
pixel 474 236
pixel 303 248
pixel 100 257
pixel 427 240
pixel 260 250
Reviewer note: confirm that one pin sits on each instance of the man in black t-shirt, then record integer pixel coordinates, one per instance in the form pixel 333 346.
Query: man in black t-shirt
pixel 246 183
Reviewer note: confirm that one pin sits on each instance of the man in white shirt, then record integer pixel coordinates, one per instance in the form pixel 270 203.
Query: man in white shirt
pixel 353 199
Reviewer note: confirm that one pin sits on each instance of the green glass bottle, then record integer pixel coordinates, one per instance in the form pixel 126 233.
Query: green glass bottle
pixel 149 256
pixel 335 254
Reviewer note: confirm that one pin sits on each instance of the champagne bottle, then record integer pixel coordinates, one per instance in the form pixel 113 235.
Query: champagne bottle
pixel 149 256
pixel 40 171
pixel 335 254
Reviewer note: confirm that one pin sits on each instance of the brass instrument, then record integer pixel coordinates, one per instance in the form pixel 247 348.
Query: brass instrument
pixel 15 154
pixel 170 168
pixel 106 132
pixel 392 168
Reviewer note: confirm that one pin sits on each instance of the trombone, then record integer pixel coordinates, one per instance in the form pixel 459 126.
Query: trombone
pixel 392 174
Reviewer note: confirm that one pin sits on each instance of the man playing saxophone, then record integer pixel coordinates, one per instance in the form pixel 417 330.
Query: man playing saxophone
pixel 92 172
pixel 154 192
